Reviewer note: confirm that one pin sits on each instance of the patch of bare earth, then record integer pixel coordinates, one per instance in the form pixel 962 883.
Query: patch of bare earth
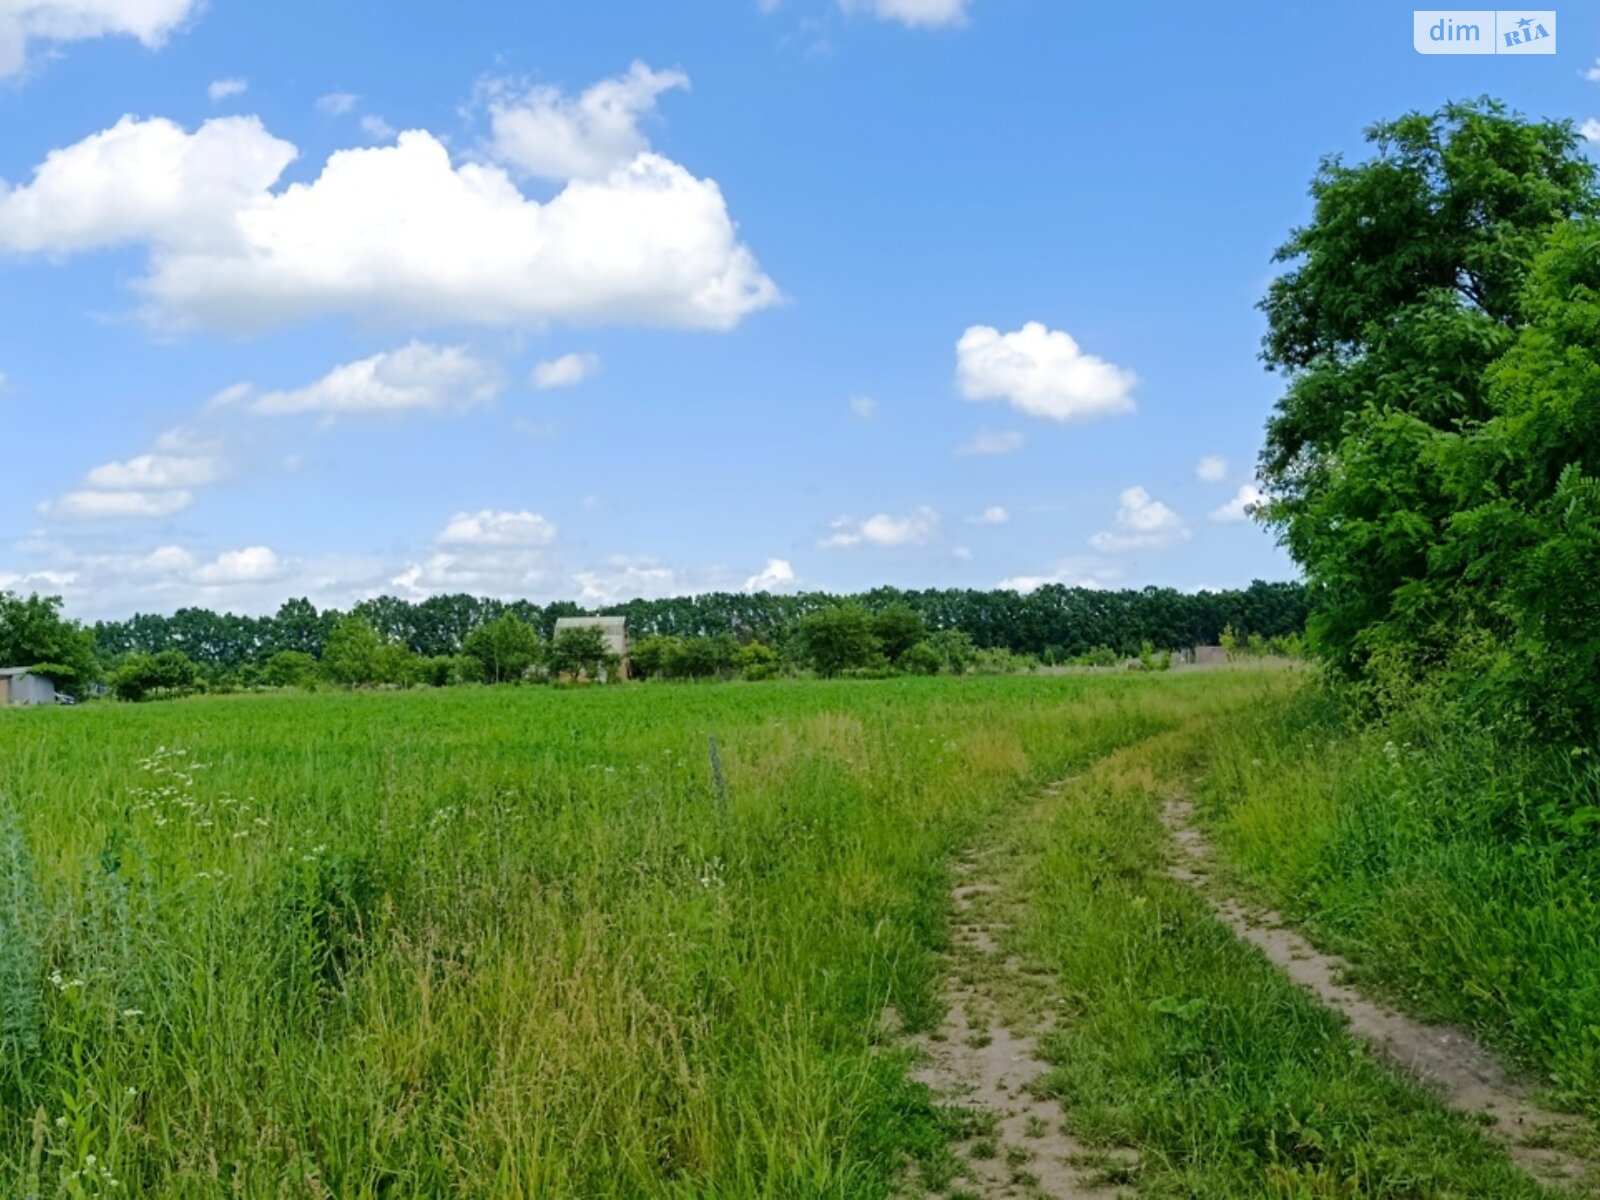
pixel 984 1058
pixel 1443 1058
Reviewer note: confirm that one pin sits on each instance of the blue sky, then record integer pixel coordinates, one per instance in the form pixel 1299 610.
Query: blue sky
pixel 590 301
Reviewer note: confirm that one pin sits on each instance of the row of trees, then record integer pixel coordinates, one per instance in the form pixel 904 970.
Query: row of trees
pixel 1053 622
pixel 461 639
pixel 1434 464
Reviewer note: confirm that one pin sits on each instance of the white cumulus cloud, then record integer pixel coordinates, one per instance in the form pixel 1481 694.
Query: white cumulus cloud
pixel 777 574
pixel 915 528
pixel 155 472
pixel 222 89
pixel 492 552
pixel 623 578
pixel 1590 130
pixel 26 21
pixel 416 377
pixel 1244 501
pixel 567 371
pixel 546 134
pixel 257 564
pixel 395 232
pixel 1213 468
pixel 1141 520
pixel 1041 372
pixel 90 505
pixel 491 528
pixel 916 13
pixel 1073 573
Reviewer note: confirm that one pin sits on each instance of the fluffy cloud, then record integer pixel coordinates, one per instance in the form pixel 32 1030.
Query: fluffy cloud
pixel 147 486
pixel 257 564
pixel 91 505
pixel 1141 520
pixel 985 444
pixel 25 21
pixel 416 377
pixel 567 371
pixel 625 578
pixel 1073 573
pixel 167 577
pixel 1244 501
pixel 490 528
pixel 1590 130
pixel 913 529
pixel 777 574
pixel 482 574
pixel 1213 468
pixel 222 89
pixel 916 13
pixel 1592 74
pixel 993 515
pixel 492 552
pixel 1041 372
pixel 156 472
pixel 396 232
pixel 548 135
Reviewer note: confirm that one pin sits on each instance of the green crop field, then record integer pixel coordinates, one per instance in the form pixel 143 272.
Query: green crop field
pixel 506 941
pixel 532 942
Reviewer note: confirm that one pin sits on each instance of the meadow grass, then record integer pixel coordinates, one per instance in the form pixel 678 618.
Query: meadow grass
pixel 1456 866
pixel 1188 1064
pixel 503 942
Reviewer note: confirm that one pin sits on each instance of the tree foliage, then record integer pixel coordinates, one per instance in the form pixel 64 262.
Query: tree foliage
pixel 504 649
pixel 581 652
pixel 1408 283
pixel 165 675
pixel 34 633
pixel 1434 463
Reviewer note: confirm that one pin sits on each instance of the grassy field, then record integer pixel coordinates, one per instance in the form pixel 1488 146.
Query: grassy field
pixel 519 942
pixel 1460 870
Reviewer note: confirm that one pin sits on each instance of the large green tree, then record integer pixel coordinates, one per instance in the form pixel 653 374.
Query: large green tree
pixel 839 639
pixel 1408 282
pixel 33 633
pixel 505 648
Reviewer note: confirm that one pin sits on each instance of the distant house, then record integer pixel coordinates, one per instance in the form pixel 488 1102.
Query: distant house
pixel 20 686
pixel 614 629
pixel 1209 656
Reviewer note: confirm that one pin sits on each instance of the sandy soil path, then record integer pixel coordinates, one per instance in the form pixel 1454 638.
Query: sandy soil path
pixel 1446 1059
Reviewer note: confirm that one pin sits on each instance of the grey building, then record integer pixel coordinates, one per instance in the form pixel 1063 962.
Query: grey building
pixel 614 629
pixel 19 686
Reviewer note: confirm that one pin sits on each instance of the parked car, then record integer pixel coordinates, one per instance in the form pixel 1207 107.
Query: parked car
pixel 63 698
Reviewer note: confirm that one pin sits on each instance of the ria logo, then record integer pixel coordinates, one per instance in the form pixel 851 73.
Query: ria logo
pixel 1484 31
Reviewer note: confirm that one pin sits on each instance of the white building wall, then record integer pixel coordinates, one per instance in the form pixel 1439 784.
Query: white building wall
pixel 32 689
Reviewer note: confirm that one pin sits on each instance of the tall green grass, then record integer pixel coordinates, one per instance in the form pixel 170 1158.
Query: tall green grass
pixel 1186 1044
pixel 501 942
pixel 1458 867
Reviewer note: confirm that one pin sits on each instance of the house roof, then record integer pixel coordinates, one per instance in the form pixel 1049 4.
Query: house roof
pixel 14 672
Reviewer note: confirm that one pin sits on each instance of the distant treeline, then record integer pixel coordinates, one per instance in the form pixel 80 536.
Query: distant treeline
pixel 1052 623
